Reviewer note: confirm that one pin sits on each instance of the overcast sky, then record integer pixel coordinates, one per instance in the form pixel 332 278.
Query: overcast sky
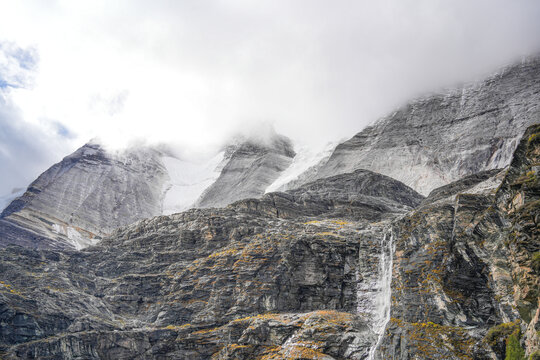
pixel 193 72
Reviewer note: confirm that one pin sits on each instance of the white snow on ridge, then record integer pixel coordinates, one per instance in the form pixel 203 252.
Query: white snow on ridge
pixel 305 158
pixel 74 237
pixel 188 180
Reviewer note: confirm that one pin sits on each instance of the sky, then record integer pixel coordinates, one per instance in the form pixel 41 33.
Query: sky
pixel 195 72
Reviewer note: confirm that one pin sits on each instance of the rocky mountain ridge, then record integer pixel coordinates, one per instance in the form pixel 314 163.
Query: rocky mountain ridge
pixel 202 273
pixel 94 191
pixel 439 139
pixel 251 167
pixel 284 277
pixel 355 265
pixel 428 143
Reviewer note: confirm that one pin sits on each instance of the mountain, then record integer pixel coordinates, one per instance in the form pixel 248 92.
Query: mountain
pixel 94 191
pixel 441 138
pixel 344 262
pixel 276 271
pixel 469 256
pixel 425 144
pixel 85 196
pixel 252 166
pixel 304 274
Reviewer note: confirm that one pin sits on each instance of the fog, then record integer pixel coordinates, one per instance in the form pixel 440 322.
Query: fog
pixel 194 73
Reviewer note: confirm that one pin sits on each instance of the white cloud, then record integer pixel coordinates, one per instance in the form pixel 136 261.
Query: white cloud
pixel 17 66
pixel 195 71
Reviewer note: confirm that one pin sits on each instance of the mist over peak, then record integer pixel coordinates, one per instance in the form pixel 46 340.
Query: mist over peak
pixel 194 76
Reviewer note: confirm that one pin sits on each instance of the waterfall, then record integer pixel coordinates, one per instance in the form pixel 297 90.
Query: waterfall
pixel 383 294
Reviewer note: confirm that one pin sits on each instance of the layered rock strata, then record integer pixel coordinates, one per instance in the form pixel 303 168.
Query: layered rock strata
pixel 93 191
pixel 441 138
pixel 465 272
pixel 259 279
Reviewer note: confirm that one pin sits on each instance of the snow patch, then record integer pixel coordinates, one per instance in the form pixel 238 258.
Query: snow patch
pixel 188 180
pixel 305 158
pixel 74 237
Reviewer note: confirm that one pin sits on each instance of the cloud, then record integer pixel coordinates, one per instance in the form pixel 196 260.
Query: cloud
pixel 26 150
pixel 17 65
pixel 108 104
pixel 194 72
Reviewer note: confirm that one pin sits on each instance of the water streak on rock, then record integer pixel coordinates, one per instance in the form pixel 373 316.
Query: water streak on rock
pixel 383 299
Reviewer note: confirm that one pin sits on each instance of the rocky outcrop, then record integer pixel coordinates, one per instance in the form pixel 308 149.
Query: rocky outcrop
pixel 439 139
pixel 250 168
pixel 359 195
pixel 258 279
pixel 350 266
pixel 356 266
pixel 85 196
pixel 464 269
pixel 94 191
pixel 426 144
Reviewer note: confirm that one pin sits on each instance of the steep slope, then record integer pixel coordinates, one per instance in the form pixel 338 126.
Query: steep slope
pixel 251 168
pixel 85 196
pixel 321 272
pixel 359 195
pixel 433 141
pixel 465 269
pixel 93 191
pixel 258 279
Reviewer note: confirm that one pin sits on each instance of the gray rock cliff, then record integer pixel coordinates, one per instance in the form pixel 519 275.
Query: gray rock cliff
pixel 450 276
pixel 464 274
pixel 438 139
pixel 94 191
pixel 262 279
pixel 251 167
pixel 352 264
pixel 85 196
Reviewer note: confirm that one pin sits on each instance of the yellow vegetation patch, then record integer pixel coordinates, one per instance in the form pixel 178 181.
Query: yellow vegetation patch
pixel 433 340
pixel 229 252
pixel 237 346
pixel 294 352
pixel 260 316
pixel 205 331
pixel 327 233
pixel 300 352
pixel 331 316
pixel 177 327
pixel 9 288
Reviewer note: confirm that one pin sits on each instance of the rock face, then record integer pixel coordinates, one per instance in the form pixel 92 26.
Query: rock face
pixel 442 138
pixel 258 279
pixel 356 266
pixel 251 167
pixel 94 191
pixel 85 196
pixel 464 271
pixel 362 194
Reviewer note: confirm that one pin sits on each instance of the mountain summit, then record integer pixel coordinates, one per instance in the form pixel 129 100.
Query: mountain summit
pixel 94 191
pixel 352 261
pixel 441 138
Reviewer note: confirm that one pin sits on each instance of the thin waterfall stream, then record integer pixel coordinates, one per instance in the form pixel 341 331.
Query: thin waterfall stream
pixel 383 295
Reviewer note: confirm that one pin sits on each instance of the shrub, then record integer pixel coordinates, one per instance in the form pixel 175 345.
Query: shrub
pixel 501 332
pixel 514 351
pixel 536 261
